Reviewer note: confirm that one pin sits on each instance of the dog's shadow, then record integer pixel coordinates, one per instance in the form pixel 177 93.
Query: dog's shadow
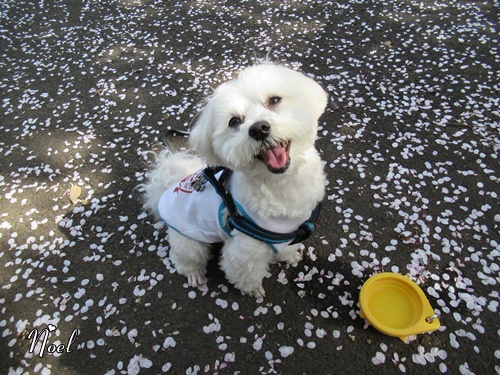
pixel 214 272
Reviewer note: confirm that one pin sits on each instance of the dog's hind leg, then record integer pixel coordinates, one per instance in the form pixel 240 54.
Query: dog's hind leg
pixel 290 255
pixel 190 257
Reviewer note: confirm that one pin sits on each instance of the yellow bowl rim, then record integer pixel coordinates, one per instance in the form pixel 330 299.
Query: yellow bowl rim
pixel 397 332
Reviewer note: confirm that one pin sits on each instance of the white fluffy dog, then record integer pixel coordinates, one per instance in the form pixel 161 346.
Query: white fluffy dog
pixel 262 126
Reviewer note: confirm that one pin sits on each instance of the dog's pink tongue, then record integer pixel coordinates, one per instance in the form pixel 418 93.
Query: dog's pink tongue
pixel 275 157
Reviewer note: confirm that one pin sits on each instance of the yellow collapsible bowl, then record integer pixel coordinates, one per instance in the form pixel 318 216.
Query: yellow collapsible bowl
pixel 396 306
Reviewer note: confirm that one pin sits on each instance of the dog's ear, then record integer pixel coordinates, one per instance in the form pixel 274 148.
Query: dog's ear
pixel 316 96
pixel 200 138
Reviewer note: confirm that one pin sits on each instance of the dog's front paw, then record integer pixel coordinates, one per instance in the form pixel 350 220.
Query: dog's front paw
pixel 258 293
pixel 196 279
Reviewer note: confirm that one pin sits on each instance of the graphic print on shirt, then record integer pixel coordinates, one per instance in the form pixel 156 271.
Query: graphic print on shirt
pixel 204 217
pixel 194 182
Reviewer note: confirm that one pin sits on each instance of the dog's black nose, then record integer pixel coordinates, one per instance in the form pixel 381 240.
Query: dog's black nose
pixel 260 130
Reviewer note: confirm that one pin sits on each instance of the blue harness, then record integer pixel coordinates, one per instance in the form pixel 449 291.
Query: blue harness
pixel 248 226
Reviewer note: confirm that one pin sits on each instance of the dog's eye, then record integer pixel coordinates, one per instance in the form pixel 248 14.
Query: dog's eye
pixel 274 101
pixel 235 122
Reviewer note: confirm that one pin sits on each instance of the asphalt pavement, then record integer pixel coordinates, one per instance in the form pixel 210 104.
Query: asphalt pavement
pixel 410 141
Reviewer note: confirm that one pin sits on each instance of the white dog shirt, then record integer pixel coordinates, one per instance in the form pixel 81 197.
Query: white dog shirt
pixel 200 214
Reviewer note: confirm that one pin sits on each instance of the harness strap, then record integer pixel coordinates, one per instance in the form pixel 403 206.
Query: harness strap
pixel 248 226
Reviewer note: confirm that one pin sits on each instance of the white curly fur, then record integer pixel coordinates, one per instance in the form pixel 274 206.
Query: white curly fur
pixel 286 195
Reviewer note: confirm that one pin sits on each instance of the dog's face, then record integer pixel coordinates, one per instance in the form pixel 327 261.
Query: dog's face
pixel 263 121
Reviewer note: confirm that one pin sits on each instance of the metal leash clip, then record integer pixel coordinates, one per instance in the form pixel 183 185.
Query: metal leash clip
pixel 199 184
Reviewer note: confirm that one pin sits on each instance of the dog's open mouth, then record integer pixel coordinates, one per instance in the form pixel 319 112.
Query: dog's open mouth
pixel 276 157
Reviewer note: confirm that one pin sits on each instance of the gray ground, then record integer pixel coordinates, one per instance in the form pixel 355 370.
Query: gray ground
pixel 410 142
